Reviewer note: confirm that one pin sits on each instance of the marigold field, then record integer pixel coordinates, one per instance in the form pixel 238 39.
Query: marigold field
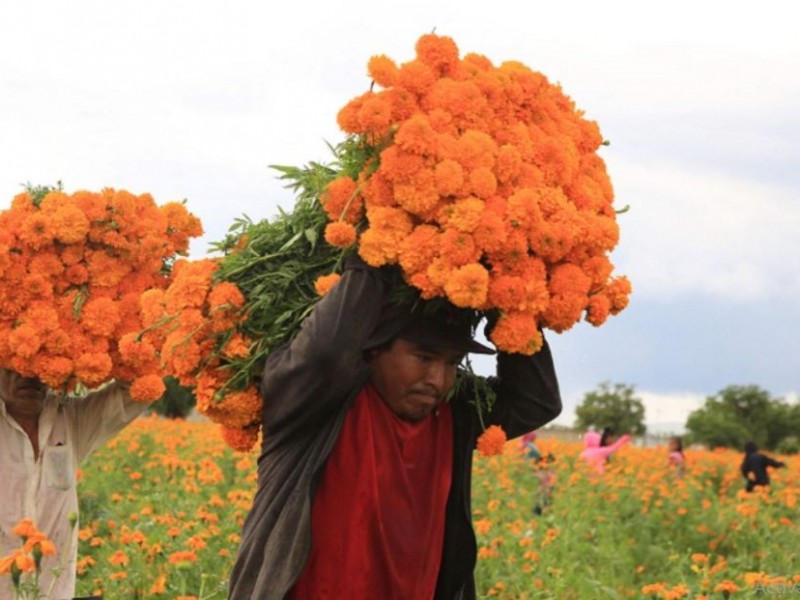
pixel 163 503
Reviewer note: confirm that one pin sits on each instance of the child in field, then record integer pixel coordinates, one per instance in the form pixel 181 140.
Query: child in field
pixel 676 458
pixel 541 470
pixel 599 447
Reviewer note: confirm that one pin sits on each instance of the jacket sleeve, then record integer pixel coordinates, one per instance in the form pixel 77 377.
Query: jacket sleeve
pixel 314 374
pixel 527 392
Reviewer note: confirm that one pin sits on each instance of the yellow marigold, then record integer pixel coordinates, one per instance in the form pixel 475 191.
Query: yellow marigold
pixel 383 70
pixel 468 286
pixel 517 332
pixel 324 283
pixel 491 441
pixel 340 234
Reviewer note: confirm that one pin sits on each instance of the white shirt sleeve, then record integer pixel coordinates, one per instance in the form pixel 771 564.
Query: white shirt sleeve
pixel 100 415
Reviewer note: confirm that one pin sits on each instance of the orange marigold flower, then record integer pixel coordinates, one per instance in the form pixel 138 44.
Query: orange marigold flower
pixel 598 309
pixel 418 249
pixel 449 177
pixel 341 200
pixel 618 292
pixel 69 224
pixel 25 528
pixel 340 234
pixel 36 231
pixel 240 439
pixel 147 388
pixel 100 316
pixel 416 77
pixel 383 70
pixel 492 441
pixel 440 53
pixel 324 283
pixel 24 341
pixel 237 346
pixel 136 351
pixel 93 368
pixel 468 286
pixel 457 247
pixel 375 114
pixel 417 136
pixel 464 215
pixel 182 556
pixel 482 182
pixel 517 332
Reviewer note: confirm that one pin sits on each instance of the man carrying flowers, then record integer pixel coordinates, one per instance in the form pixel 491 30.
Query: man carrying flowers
pixel 365 471
pixel 43 439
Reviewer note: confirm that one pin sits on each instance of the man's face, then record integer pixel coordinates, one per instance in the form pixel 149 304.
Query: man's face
pixel 413 379
pixel 24 396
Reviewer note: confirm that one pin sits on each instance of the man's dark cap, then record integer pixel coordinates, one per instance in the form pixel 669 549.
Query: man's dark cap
pixel 437 325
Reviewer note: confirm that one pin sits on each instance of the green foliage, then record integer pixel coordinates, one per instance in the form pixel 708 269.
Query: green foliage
pixel 616 407
pixel 177 401
pixel 38 192
pixel 740 413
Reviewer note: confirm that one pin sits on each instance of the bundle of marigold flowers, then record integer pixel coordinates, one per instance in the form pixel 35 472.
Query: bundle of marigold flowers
pixel 484 185
pixel 73 268
pixel 469 183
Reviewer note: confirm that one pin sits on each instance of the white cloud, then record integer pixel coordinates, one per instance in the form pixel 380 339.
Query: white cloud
pixel 690 232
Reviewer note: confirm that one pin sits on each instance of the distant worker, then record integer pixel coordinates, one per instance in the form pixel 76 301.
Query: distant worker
pixel 754 466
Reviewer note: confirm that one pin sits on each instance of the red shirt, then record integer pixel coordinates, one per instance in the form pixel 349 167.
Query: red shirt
pixel 377 521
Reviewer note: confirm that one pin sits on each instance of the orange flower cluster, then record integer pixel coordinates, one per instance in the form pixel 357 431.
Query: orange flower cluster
pixel 72 271
pixel 194 325
pixel 488 191
pixel 28 558
pixel 491 441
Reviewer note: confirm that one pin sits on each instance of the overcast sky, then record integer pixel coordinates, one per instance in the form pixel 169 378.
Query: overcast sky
pixel 700 100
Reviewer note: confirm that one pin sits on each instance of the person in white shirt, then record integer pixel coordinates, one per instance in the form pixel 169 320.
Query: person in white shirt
pixel 43 439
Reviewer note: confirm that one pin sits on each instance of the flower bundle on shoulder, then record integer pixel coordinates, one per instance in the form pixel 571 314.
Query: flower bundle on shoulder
pixel 476 184
pixel 73 268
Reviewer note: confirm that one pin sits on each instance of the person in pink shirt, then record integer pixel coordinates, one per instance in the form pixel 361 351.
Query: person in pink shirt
pixel 599 447
pixel 676 458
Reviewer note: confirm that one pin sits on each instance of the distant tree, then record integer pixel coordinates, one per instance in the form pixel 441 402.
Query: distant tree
pixel 177 401
pixel 740 413
pixel 615 407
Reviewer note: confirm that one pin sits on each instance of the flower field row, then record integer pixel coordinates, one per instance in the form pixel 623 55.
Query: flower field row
pixel 162 507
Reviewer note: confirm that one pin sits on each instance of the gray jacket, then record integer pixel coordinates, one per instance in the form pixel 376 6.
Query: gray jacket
pixel 308 388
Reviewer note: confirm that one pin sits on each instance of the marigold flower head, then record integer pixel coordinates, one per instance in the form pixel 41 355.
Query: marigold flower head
pixel 341 200
pixel 340 234
pixel 440 53
pixel 324 283
pixel 492 441
pixel 383 70
pixel 241 439
pixel 147 388
pixel 468 286
pixel 517 332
